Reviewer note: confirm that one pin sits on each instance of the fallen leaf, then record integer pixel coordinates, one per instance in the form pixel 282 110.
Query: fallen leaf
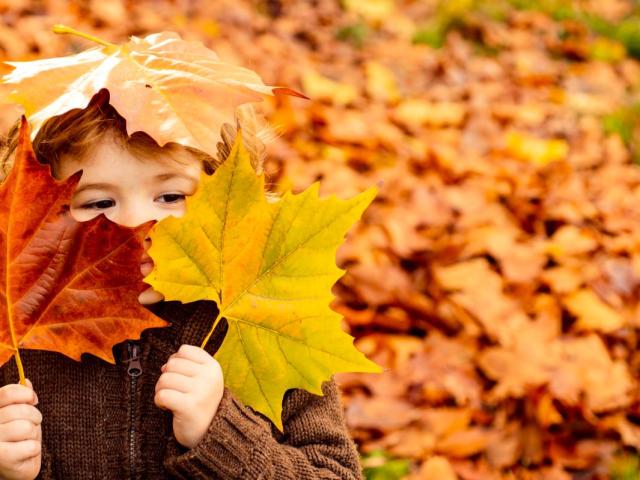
pixel 372 10
pixel 586 367
pixel 443 422
pixel 373 413
pixel 571 240
pixel 443 371
pixel 436 468
pixel 320 87
pixel 506 449
pixel 480 290
pixel 536 150
pixel 563 279
pixel 381 83
pixel 415 112
pixel 592 313
pixel 629 432
pixel 465 443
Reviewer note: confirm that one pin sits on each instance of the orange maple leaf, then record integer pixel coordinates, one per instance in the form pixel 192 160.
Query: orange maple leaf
pixel 172 89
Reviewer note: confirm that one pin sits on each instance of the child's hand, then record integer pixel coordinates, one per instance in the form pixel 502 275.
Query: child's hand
pixel 20 433
pixel 149 296
pixel 191 386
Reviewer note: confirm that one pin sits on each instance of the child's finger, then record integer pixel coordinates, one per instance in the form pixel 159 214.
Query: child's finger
pixel 150 296
pixel 169 399
pixel 16 393
pixel 193 353
pixel 182 366
pixel 30 385
pixel 20 451
pixel 20 411
pixel 174 381
pixel 18 430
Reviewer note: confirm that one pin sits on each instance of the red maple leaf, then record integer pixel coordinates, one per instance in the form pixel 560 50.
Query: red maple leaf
pixel 65 286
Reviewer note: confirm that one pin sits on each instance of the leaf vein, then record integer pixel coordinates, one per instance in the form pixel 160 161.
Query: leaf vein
pixel 283 258
pixel 253 372
pixel 293 339
pixel 73 279
pixel 190 257
pixel 277 299
pixel 291 363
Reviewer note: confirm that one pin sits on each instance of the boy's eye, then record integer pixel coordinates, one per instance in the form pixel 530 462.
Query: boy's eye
pixel 104 204
pixel 99 205
pixel 172 197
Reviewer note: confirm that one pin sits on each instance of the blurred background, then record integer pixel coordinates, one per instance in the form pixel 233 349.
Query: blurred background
pixel 497 275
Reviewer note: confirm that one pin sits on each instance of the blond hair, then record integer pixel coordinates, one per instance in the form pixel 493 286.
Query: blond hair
pixel 76 132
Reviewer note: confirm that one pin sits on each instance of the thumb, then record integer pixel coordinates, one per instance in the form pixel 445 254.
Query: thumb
pixel 30 385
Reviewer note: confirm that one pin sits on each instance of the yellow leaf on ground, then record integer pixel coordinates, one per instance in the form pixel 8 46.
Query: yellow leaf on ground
pixel 416 112
pixel 381 83
pixel 371 10
pixel 593 313
pixel 536 150
pixel 319 87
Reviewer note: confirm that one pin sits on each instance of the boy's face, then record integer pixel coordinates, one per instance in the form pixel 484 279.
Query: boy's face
pixel 127 189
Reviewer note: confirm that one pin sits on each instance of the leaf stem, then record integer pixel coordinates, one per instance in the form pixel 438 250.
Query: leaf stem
pixel 215 324
pixel 59 28
pixel 20 367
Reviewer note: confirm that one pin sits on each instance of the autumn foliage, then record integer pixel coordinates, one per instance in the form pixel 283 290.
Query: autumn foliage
pixel 496 275
pixel 69 287
pixel 269 265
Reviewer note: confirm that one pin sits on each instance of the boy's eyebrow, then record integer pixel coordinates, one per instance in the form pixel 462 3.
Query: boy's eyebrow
pixel 105 186
pixel 160 177
pixel 167 176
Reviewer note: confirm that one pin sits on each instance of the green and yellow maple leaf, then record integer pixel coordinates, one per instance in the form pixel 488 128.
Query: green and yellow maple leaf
pixel 269 266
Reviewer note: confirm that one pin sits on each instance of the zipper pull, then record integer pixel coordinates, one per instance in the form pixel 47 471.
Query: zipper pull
pixel 135 367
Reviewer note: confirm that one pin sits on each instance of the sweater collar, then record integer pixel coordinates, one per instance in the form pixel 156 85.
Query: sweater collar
pixel 189 323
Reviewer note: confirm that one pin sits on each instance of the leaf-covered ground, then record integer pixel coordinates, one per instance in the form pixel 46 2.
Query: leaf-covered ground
pixel 497 276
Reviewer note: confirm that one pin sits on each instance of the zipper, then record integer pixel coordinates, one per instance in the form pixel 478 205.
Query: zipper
pixel 134 370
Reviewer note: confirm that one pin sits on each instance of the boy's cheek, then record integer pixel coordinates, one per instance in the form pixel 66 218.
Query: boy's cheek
pixel 82 215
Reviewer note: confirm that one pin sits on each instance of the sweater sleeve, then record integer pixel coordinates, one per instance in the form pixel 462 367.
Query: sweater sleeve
pixel 240 444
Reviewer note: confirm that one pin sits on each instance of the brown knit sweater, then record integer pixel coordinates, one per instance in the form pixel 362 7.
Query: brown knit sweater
pixel 101 423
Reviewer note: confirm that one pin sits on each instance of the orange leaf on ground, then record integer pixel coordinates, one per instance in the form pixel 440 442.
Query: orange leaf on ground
pixel 436 468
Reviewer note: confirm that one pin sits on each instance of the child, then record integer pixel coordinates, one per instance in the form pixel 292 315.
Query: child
pixel 162 410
